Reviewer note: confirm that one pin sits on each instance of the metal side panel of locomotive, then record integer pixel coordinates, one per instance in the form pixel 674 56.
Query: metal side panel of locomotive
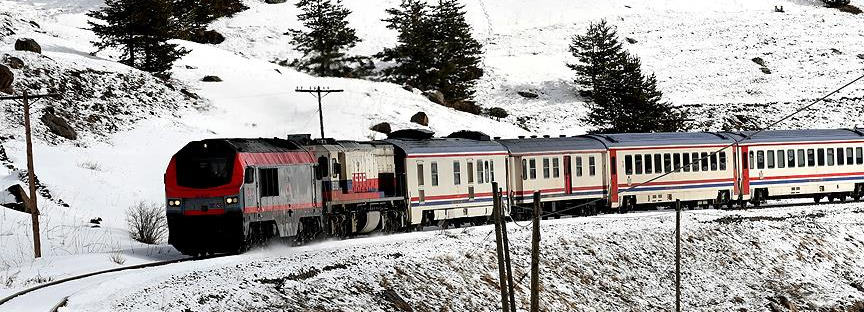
pixel 449 179
pixel 222 194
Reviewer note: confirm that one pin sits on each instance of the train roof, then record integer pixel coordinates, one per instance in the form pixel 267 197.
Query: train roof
pixel 446 146
pixel 805 135
pixel 541 145
pixel 260 145
pixel 663 139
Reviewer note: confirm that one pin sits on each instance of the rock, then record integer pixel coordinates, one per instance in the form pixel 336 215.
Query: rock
pixel 35 24
pixel 528 94
pixel 58 125
pixel 631 40
pixel 421 119
pixel 16 202
pixel 14 62
pixel 861 56
pixel 383 127
pixel 274 1
pixel 27 44
pixel 207 37
pixel 435 96
pixel 408 88
pixel 835 51
pixel 211 79
pixel 6 78
pixel 96 220
pixel 190 94
pixel 466 106
pixel 765 70
pixel 759 60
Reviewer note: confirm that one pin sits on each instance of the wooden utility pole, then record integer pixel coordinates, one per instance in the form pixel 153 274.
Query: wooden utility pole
pixel 678 255
pixel 507 262
pixel 535 256
pixel 31 176
pixel 319 93
pixel 499 240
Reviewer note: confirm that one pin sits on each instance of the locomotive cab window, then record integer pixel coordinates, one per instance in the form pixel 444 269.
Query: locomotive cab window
pixel 269 185
pixel 249 175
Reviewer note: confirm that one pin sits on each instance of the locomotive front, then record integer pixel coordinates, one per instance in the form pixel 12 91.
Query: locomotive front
pixel 203 198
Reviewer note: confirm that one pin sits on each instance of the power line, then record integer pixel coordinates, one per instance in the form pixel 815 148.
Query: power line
pixel 319 93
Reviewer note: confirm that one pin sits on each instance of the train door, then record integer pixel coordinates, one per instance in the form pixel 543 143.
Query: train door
pixel 613 178
pixel 250 190
pixel 568 179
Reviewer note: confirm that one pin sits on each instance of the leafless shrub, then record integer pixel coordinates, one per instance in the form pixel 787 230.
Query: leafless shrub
pixel 117 257
pixel 90 165
pixel 147 222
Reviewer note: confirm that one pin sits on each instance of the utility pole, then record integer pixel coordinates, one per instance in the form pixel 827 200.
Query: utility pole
pixel 499 240
pixel 319 93
pixel 31 176
pixel 678 255
pixel 535 256
pixel 507 261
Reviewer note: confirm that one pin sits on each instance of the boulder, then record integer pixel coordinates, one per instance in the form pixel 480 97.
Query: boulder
pixel 528 94
pixel 421 119
pixel 274 1
pixel 211 79
pixel 861 56
pixel 408 88
pixel 765 70
pixel 631 40
pixel 27 44
pixel 58 125
pixel 207 37
pixel 6 78
pixel 435 96
pixel 759 60
pixel 14 198
pixel 14 62
pixel 466 106
pixel 383 127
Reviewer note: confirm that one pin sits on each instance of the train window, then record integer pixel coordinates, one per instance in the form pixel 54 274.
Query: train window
pixel 714 162
pixel 628 164
pixel 638 163
pixel 841 158
pixel 487 171
pixel 752 162
pixel 249 175
pixel 686 163
pixel 491 170
pixel 470 170
pixel 480 171
pixel 695 162
pixel 420 178
pixel 859 155
pixel 667 162
pixel 769 155
pixel 592 166
pixel 533 168
pixel 790 154
pixel 830 156
pixel 801 159
pixel 434 166
pixel 676 161
pixel 269 185
pixel 722 161
pixel 849 156
pixel 546 168
pixel 649 165
pixel 704 161
pixel 781 159
pixel 820 157
pixel 658 163
pixel 321 169
pixel 579 166
pixel 457 172
pixel 556 172
pixel 811 157
pixel 760 160
pixel 524 169
pixel 336 168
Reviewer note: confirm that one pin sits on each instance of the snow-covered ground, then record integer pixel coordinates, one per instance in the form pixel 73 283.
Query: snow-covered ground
pixel 130 123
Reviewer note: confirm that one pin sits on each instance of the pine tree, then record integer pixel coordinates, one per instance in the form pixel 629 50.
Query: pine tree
pixel 458 54
pixel 141 29
pixel 413 56
pixel 326 40
pixel 623 99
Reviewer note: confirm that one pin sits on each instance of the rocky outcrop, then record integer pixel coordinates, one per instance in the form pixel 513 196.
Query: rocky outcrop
pixel 27 44
pixel 420 118
pixel 58 125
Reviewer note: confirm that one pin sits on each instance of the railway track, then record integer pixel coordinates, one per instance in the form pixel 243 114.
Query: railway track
pixel 62 302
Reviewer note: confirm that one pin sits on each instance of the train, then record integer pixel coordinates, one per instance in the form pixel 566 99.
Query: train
pixel 224 195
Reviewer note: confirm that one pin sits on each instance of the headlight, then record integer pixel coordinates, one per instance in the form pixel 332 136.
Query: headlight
pixel 231 200
pixel 174 202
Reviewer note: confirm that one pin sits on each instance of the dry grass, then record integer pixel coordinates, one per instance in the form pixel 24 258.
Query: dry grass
pixel 117 258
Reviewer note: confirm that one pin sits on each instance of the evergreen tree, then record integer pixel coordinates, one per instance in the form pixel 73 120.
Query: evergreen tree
pixel 413 56
pixel 458 55
pixel 623 98
pixel 192 16
pixel 326 39
pixel 141 29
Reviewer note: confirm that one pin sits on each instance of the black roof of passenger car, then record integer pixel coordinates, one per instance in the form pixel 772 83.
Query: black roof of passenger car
pixel 540 145
pixel 445 146
pixel 805 135
pixel 663 139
